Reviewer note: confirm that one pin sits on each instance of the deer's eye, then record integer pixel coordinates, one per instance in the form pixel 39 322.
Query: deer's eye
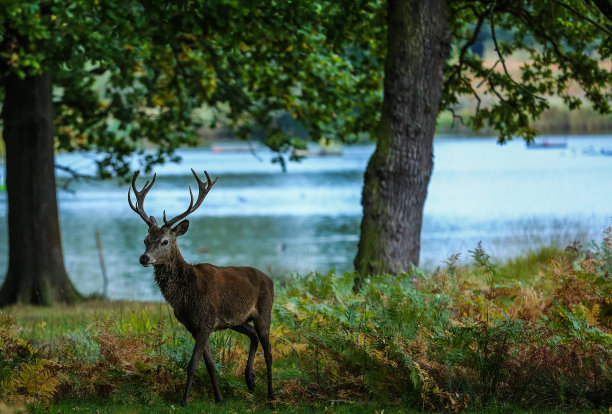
pixel 165 242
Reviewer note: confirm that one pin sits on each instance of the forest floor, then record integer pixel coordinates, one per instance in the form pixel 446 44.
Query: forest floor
pixel 529 335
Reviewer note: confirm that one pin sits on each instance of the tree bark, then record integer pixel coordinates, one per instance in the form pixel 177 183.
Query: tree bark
pixel 36 272
pixel 397 175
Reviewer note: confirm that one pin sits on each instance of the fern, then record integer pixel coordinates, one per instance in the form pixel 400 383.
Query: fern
pixel 30 382
pixel 36 382
pixel 441 340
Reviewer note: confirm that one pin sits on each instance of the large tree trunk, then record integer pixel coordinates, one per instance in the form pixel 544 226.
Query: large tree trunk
pixel 396 179
pixel 36 272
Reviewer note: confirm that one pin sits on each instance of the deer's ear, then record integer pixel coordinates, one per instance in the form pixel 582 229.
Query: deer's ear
pixel 153 221
pixel 181 228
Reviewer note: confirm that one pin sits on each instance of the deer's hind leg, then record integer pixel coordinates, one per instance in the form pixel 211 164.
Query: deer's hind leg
pixel 249 331
pixel 262 327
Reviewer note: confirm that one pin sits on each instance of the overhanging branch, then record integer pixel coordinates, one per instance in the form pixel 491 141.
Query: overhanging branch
pixel 583 17
pixel 469 43
pixel 74 176
pixel 604 6
pixel 503 62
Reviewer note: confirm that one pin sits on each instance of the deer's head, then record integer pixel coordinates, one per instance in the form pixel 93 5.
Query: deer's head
pixel 160 243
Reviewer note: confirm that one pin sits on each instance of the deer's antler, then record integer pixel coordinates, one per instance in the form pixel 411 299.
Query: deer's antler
pixel 203 189
pixel 140 197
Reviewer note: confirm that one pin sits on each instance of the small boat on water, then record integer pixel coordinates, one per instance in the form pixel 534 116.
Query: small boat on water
pixel 547 143
pixel 592 151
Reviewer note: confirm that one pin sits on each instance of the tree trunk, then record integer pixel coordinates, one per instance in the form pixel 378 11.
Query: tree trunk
pixel 396 179
pixel 36 272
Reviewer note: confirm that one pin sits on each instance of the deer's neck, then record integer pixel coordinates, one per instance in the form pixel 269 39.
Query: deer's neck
pixel 173 279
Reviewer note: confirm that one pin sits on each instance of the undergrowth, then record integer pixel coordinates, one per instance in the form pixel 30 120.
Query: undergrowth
pixel 462 337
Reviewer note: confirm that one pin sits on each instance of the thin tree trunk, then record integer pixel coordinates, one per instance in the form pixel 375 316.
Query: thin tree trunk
pixel 36 272
pixel 397 176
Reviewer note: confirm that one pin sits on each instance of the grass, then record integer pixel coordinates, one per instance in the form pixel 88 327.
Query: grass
pixel 49 325
pixel 200 407
pixel 523 268
pixel 529 335
pixel 90 406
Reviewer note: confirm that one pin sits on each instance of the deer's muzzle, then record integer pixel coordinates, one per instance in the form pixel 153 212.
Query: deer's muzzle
pixel 145 260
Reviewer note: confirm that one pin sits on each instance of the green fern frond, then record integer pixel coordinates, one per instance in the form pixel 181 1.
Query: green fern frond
pixel 34 380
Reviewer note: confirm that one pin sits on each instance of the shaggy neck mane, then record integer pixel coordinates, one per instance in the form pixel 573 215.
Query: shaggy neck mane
pixel 172 278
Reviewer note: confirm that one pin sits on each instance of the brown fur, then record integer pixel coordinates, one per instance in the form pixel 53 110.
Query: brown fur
pixel 207 298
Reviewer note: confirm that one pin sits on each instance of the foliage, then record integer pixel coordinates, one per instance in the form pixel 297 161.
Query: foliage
pixel 125 365
pixel 125 72
pixel 563 48
pixel 26 372
pixel 135 72
pixel 462 337
pixel 459 337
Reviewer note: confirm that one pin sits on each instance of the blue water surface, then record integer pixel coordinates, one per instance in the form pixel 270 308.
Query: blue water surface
pixel 511 198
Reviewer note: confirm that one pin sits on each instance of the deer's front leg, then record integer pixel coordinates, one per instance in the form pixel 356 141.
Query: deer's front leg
pixel 201 348
pixel 192 367
pixel 210 366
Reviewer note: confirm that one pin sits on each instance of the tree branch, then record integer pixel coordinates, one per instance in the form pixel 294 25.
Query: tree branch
pixel 475 93
pixel 583 17
pixel 469 43
pixel 604 6
pixel 503 62
pixel 542 32
pixel 455 117
pixel 489 72
pixel 74 176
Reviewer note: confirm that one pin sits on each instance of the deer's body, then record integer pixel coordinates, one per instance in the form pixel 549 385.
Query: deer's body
pixel 207 298
pixel 214 297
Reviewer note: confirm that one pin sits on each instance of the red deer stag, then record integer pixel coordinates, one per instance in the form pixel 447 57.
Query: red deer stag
pixel 207 298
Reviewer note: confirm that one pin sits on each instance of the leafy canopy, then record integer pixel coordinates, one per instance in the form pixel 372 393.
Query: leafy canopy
pixel 126 72
pixel 565 49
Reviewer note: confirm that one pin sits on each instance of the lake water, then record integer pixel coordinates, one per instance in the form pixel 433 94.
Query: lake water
pixel 511 198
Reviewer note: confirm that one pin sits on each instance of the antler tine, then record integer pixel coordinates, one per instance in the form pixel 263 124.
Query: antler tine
pixel 179 217
pixel 203 189
pixel 140 197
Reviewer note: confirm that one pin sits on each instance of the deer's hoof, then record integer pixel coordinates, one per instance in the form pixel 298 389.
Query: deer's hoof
pixel 250 381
